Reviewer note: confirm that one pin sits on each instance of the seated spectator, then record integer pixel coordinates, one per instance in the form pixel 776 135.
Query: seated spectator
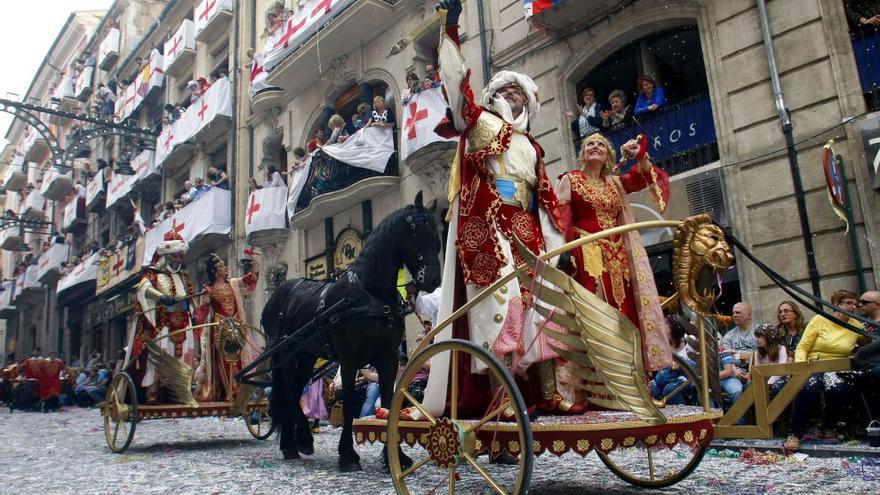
pixel 667 380
pixel 217 178
pixel 869 307
pixel 824 339
pixel 338 133
pixel 412 87
pixel 619 113
pixel 769 351
pixel 369 378
pixel 273 177
pixel 97 390
pixel 739 341
pixel 731 375
pixel 791 326
pixel 651 97
pixel 382 115
pixel 253 186
pixel 94 360
pixel 317 141
pixel 589 118
pixel 80 396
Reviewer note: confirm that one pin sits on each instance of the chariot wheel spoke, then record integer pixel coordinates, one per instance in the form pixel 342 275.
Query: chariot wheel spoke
pixel 452 480
pixel 485 419
pixel 418 405
pixel 488 477
pixel 414 468
pixel 651 465
pixel 453 399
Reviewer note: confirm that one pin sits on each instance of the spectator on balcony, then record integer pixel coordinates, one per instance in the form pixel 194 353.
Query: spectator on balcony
pixel 651 97
pixel 183 194
pixel 273 177
pixel 198 189
pixel 862 14
pixel 382 115
pixel 195 91
pixel 167 210
pixel 317 141
pixel 253 186
pixel 619 113
pixel 413 87
pixel 589 117
pixel 338 134
pixel 107 99
pixel 217 178
pixel 432 77
pixel 299 158
pixel 89 59
pixel 364 113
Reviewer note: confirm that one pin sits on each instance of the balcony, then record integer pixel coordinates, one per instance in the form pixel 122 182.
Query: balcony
pixel 108 51
pixel 340 176
pixel 7 294
pixel 27 283
pixel 34 146
pixel 79 281
pixel 204 224
pixel 681 136
pixel 149 80
pixel 118 189
pixel 11 238
pixel 265 220
pixel 120 266
pixel 33 206
pixel 14 179
pixel 204 121
pixel 95 193
pixel 56 185
pixel 49 267
pixel 65 95
pixel 180 50
pixel 427 154
pixel 213 19
pixel 83 86
pixel 146 173
pixel 344 25
pixel 74 215
pixel 566 15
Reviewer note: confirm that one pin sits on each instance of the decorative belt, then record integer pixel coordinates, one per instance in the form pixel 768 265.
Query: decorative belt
pixel 514 192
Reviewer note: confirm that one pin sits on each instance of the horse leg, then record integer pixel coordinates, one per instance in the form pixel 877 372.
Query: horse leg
pixel 282 410
pixel 387 373
pixel 304 441
pixel 349 460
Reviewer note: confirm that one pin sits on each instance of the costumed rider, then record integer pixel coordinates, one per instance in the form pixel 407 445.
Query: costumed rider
pixel 165 307
pixel 498 189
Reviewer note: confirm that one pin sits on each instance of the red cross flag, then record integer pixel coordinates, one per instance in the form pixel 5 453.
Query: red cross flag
pixel 420 116
pixel 210 214
pixel 207 10
pixel 265 210
pixel 183 39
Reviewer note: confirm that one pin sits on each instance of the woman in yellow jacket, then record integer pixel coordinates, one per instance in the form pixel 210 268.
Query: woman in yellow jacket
pixel 823 339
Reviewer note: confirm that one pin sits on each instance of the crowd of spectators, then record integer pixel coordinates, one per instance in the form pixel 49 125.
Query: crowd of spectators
pixel 415 84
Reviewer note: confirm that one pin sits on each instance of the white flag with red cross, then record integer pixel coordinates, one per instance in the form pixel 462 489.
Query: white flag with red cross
pixel 265 209
pixel 421 114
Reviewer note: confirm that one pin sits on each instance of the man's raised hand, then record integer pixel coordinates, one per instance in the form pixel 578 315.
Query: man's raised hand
pixel 452 8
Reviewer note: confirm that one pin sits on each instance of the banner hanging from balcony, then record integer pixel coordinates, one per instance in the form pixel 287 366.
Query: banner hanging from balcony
pixel 368 148
pixel 27 280
pixel 119 266
pixel 87 271
pixel 216 102
pixel 296 182
pixel 265 210
pixel 421 114
pixel 286 38
pixel 118 188
pixel 7 294
pixel 210 214
pixel 94 188
pixel 52 259
pixel 675 129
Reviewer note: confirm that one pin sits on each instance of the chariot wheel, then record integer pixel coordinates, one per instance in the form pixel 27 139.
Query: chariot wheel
pixel 454 445
pixel 259 424
pixel 658 466
pixel 120 411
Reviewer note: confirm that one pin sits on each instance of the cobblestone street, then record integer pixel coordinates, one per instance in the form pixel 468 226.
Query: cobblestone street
pixel 65 453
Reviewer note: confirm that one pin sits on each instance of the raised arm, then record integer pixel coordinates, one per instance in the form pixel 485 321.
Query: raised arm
pixel 453 71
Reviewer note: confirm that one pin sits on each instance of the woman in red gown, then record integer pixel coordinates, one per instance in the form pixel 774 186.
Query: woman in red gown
pixel 223 298
pixel 616 268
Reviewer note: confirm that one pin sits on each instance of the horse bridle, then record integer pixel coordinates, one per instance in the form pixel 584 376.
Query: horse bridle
pixel 419 276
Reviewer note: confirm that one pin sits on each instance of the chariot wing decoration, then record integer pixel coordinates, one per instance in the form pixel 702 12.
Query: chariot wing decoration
pixel 175 375
pixel 598 337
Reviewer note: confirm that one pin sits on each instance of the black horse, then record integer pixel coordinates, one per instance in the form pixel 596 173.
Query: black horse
pixel 357 319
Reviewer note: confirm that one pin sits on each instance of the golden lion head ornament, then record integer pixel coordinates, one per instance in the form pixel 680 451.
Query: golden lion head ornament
pixel 700 253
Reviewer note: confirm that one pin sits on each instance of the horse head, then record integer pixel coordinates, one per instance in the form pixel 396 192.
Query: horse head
pixel 700 253
pixel 421 252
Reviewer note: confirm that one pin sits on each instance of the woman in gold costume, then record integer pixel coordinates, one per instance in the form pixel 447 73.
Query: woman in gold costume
pixel 227 347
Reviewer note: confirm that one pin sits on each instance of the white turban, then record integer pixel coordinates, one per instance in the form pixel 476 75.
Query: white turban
pixel 172 247
pixel 506 78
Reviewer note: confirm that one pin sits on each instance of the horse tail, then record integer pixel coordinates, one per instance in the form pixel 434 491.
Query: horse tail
pixel 276 402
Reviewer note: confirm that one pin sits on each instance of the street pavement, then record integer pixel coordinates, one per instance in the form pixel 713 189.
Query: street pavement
pixel 64 452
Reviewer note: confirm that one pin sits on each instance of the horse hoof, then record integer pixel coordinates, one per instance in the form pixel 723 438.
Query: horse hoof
pixel 306 449
pixel 290 454
pixel 350 467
